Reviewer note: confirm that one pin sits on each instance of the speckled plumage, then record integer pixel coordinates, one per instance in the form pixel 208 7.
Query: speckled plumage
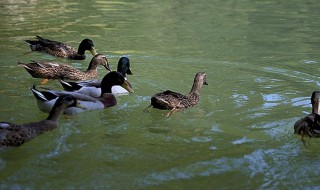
pixel 310 124
pixel 60 49
pixel 15 135
pixel 50 70
pixel 170 100
pixel 93 87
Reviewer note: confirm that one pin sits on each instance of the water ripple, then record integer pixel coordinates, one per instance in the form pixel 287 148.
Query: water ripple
pixel 270 164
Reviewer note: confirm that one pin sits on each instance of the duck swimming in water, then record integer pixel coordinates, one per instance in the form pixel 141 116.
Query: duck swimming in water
pixel 17 134
pixel 93 87
pixel 50 70
pixel 60 49
pixel 174 101
pixel 45 99
pixel 310 124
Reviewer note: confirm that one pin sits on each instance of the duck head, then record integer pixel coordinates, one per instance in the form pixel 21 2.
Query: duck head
pixel 114 78
pixel 124 66
pixel 86 44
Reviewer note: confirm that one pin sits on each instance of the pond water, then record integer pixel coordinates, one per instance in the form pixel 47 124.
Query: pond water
pixel 262 64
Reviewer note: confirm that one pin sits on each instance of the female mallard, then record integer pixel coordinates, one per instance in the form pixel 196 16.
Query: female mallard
pixel 62 50
pixel 15 135
pixel 45 99
pixel 174 101
pixel 310 124
pixel 48 70
pixel 93 87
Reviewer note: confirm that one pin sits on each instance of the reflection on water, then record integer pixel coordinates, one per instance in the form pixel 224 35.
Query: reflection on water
pixel 261 60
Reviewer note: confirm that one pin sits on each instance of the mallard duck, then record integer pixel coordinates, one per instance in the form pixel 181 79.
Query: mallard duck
pixel 45 99
pixel 92 87
pixel 62 50
pixel 174 101
pixel 17 134
pixel 49 70
pixel 310 124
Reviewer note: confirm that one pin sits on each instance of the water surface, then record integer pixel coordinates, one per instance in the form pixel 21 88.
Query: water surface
pixel 261 60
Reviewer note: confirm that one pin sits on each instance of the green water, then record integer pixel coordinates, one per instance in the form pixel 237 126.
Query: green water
pixel 262 64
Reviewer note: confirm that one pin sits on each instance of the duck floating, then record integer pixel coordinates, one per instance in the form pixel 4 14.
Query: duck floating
pixel 93 87
pixel 310 124
pixel 50 70
pixel 60 49
pixel 17 134
pixel 45 99
pixel 173 101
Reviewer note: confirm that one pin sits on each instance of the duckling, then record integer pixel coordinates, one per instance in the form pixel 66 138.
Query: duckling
pixel 45 99
pixel 49 70
pixel 17 134
pixel 310 124
pixel 61 50
pixel 93 87
pixel 174 101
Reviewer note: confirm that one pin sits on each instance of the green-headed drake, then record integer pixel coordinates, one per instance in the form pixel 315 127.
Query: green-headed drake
pixel 60 49
pixel 45 99
pixel 93 87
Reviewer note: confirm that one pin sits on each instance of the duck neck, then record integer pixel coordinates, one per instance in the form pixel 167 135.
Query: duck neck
pixel 316 107
pixel 92 66
pixel 106 89
pixel 56 112
pixel 195 88
pixel 81 50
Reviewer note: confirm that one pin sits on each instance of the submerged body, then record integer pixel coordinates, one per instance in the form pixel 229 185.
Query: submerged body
pixel 170 100
pixel 49 70
pixel 310 124
pixel 60 49
pixel 45 99
pixel 93 87
pixel 17 134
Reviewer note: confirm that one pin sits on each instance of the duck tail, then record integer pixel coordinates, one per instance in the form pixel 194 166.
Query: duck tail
pixel 35 45
pixel 66 86
pixel 37 94
pixel 25 65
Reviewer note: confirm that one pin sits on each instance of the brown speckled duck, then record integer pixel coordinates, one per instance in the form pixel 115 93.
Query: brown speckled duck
pixel 62 50
pixel 50 70
pixel 310 124
pixel 15 135
pixel 174 101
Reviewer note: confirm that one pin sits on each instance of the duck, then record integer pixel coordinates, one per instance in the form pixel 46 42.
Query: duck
pixel 62 50
pixel 46 98
pixel 310 124
pixel 93 87
pixel 17 134
pixel 174 101
pixel 51 70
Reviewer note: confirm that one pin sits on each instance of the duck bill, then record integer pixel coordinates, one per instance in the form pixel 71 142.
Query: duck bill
pixel 107 65
pixel 78 105
pixel 129 72
pixel 126 85
pixel 93 51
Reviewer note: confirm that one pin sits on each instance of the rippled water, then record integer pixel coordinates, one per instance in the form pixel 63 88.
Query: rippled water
pixel 261 60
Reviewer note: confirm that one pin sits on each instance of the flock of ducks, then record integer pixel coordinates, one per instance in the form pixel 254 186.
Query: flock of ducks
pixel 84 92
